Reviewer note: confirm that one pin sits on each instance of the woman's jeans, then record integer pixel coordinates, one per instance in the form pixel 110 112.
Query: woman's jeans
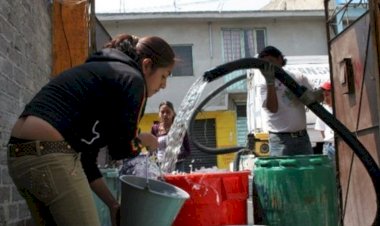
pixel 55 188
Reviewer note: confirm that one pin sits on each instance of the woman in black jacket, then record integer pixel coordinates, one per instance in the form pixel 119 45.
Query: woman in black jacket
pixel 93 105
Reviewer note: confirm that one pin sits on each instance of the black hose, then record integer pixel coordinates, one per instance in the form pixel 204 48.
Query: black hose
pixel 237 158
pixel 357 147
pixel 200 146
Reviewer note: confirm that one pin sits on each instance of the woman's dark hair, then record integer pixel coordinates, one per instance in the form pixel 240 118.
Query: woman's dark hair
pixel 169 104
pixel 152 47
pixel 274 52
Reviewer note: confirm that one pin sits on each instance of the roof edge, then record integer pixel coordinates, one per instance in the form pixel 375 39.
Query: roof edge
pixel 210 15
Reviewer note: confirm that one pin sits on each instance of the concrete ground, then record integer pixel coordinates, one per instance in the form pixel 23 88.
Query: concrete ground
pixel 250 206
pixel 249 211
pixel 249 202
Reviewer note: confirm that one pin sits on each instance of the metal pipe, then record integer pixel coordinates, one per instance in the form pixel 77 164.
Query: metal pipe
pixel 211 48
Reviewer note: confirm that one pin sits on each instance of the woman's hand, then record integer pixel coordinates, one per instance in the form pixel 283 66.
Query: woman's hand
pixel 149 141
pixel 115 214
pixel 101 189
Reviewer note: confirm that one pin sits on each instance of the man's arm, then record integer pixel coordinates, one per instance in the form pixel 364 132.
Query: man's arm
pixel 271 98
pixel 270 102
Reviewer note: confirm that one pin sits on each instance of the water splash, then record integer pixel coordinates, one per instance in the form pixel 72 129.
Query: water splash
pixel 180 125
pixel 141 166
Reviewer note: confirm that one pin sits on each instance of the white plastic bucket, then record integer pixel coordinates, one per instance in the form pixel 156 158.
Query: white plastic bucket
pixel 156 204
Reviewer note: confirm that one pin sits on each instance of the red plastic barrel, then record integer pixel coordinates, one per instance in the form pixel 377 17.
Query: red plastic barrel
pixel 215 198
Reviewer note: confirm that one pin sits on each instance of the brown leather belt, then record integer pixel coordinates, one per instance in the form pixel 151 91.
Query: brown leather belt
pixel 39 148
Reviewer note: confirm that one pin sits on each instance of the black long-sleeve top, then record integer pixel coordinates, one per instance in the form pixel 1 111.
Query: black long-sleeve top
pixel 96 104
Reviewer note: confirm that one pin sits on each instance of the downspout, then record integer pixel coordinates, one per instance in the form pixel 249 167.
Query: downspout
pixel 210 38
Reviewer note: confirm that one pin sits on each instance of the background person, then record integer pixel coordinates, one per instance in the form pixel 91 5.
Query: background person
pixel 161 129
pixel 96 104
pixel 284 113
pixel 326 131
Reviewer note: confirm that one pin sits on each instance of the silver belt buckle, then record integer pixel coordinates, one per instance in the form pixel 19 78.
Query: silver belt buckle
pixel 294 135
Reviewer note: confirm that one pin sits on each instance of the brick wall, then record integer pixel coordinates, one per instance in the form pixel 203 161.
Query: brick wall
pixel 25 66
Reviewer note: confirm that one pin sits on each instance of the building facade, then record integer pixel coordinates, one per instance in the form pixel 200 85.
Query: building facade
pixel 205 36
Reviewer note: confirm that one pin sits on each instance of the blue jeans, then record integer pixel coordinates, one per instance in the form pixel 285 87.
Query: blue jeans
pixel 284 144
pixel 329 150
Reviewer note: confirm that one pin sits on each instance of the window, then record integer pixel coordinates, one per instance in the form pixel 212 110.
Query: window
pixel 184 65
pixel 241 43
pixel 241 110
pixel 343 13
pixel 241 125
pixel 260 40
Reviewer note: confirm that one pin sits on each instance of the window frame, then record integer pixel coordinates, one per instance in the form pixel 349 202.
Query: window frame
pixel 243 32
pixel 179 72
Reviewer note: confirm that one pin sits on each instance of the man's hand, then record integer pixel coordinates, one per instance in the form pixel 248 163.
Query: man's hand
pixel 268 73
pixel 318 93
pixel 311 96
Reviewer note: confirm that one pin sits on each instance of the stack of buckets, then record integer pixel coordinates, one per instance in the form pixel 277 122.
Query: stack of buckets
pixel 297 190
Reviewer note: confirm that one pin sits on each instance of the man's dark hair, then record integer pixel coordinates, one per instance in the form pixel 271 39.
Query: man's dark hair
pixel 274 52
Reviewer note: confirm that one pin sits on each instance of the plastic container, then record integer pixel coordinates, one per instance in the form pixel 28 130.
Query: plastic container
pixel 215 198
pixel 261 144
pixel 111 176
pixel 297 190
pixel 156 204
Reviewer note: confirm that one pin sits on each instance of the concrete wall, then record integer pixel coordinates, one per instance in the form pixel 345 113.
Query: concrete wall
pixel 293 36
pixel 25 65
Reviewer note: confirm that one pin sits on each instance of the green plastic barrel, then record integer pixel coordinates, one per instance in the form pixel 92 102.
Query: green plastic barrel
pixel 297 190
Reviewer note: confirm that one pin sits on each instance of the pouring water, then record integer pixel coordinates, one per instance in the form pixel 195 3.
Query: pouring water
pixel 180 124
pixel 143 165
pixel 146 171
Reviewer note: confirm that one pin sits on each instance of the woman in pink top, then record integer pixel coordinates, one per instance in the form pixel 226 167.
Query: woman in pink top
pixel 161 129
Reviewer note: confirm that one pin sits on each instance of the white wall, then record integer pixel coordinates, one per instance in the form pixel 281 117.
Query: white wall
pixel 291 36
